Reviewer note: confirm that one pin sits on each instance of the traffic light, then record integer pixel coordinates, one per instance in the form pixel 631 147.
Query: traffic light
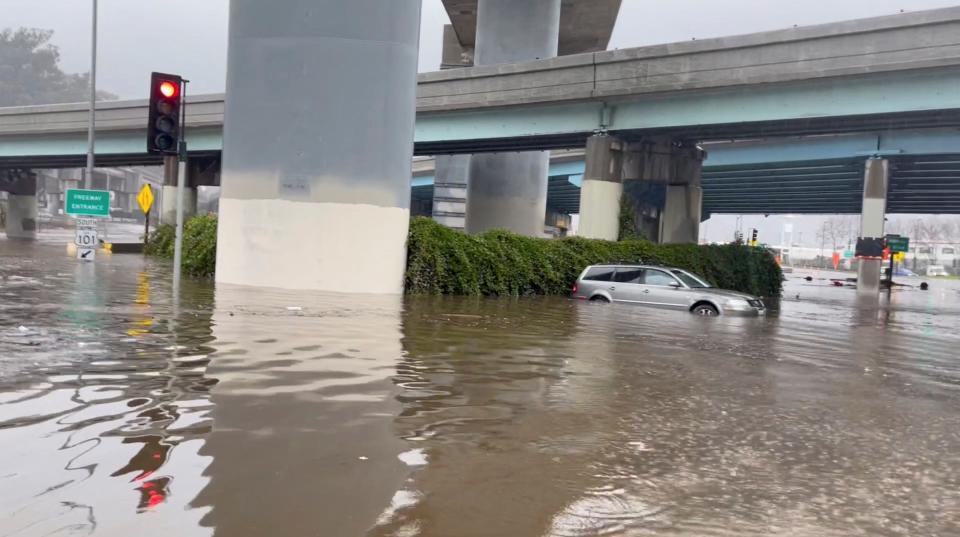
pixel 754 239
pixel 163 129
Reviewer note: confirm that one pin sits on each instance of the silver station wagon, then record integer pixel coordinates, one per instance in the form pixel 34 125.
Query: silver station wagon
pixel 662 287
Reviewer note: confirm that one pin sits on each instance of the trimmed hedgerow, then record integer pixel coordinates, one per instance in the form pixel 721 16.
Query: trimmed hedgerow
pixel 498 263
pixel 199 245
pixel 442 261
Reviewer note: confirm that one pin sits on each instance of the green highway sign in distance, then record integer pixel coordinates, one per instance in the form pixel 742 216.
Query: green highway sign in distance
pixel 88 203
pixel 898 244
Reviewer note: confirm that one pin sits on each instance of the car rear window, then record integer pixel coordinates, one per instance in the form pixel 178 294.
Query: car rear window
pixel 599 274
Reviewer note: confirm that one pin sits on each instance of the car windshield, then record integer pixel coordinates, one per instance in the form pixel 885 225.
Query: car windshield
pixel 693 282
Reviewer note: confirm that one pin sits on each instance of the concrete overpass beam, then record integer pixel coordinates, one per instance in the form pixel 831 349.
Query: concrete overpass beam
pixel 22 208
pixel 509 191
pixel 602 189
pixel 872 221
pixel 318 141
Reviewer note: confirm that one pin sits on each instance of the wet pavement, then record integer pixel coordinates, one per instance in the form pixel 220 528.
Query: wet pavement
pixel 242 412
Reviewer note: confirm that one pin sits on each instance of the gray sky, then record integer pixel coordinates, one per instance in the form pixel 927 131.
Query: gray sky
pixel 127 30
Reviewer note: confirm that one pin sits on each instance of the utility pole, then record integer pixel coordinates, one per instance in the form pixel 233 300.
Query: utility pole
pixel 181 180
pixel 88 177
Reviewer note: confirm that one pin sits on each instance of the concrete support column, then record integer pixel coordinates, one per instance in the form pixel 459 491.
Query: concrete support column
pixel 666 174
pixel 872 221
pixel 452 174
pixel 168 196
pixel 510 190
pixel 602 189
pixel 21 216
pixel 680 221
pixel 22 207
pixel 316 170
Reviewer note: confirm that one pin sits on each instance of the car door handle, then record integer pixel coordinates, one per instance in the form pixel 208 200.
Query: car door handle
pixel 613 288
pixel 646 291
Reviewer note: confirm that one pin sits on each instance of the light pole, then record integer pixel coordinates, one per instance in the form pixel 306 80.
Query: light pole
pixel 88 178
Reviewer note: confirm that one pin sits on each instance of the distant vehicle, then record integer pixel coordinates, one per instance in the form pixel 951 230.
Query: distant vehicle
pixel 662 287
pixel 904 273
pixel 937 270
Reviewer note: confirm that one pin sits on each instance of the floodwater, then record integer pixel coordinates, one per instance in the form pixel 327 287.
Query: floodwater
pixel 268 413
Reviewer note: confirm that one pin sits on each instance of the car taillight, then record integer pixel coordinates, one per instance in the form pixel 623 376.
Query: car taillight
pixel 575 288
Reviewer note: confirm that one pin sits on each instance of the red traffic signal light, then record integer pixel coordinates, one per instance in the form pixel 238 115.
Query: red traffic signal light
pixel 163 127
pixel 168 89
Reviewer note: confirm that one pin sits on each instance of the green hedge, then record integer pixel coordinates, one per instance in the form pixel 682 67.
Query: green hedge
pixel 443 261
pixel 199 245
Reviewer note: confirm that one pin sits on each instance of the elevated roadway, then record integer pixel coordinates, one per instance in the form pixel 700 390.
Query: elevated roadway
pixel 895 72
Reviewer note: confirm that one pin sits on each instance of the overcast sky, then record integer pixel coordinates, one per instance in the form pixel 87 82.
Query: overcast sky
pixel 128 30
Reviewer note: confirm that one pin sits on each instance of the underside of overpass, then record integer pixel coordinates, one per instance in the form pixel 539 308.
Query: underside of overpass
pixel 927 184
pixel 585 25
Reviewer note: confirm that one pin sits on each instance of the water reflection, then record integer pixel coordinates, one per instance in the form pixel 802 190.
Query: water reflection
pixel 241 412
pixel 303 442
pixel 102 410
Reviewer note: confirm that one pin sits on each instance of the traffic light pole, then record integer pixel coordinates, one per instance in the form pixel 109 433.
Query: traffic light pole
pixel 181 179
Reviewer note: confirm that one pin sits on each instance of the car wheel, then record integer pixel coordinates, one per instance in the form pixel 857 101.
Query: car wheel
pixel 599 299
pixel 705 310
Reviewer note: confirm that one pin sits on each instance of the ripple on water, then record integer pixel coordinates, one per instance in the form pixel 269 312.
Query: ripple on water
pixel 249 413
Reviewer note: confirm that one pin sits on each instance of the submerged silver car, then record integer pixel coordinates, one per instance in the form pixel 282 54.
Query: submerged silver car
pixel 662 287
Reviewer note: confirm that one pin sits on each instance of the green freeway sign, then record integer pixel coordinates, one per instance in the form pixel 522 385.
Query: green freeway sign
pixel 898 244
pixel 88 203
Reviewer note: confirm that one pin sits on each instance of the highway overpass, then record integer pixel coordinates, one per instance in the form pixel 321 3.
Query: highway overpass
pixel 653 108
pixel 895 72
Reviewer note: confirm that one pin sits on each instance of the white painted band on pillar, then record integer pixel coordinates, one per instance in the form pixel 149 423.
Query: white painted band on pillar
pixel 600 210
pixel 21 217
pixel 349 248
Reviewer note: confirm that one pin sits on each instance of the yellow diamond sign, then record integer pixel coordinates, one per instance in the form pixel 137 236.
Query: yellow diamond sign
pixel 145 198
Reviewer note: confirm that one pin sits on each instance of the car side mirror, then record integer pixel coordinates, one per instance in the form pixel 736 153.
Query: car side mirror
pixel 676 285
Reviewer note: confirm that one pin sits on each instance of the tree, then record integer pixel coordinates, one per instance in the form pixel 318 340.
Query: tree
pixel 30 71
pixel 837 232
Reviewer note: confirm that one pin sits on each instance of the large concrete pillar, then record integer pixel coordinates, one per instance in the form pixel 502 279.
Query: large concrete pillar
pixel 22 209
pixel 168 195
pixel 872 221
pixel 602 189
pixel 318 138
pixel 680 221
pixel 21 216
pixel 510 190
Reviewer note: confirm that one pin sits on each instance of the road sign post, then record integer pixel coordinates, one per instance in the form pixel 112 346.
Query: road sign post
pixel 145 200
pixel 87 206
pixel 896 244
pixel 90 203
pixel 86 241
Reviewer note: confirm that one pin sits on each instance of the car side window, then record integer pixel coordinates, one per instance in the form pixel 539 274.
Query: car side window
pixel 628 275
pixel 658 277
pixel 599 274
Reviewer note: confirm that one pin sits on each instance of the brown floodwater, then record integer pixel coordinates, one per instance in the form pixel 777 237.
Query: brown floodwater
pixel 239 412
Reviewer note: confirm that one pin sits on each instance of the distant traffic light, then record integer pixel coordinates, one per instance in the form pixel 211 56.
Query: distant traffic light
pixel 755 238
pixel 163 129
